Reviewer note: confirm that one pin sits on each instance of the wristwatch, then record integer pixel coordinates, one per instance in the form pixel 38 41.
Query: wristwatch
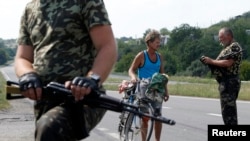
pixel 96 78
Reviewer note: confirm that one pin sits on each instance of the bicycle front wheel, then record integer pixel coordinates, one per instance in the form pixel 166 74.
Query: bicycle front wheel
pixel 121 127
pixel 139 128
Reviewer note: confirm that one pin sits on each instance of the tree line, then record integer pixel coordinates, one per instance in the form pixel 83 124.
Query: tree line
pixel 181 53
pixel 187 44
pixel 7 50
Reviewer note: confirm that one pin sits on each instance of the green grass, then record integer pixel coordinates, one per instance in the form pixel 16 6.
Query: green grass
pixel 195 86
pixel 3 102
pixel 245 91
pixel 191 79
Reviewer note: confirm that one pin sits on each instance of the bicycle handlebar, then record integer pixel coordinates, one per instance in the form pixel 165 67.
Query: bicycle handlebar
pixel 95 99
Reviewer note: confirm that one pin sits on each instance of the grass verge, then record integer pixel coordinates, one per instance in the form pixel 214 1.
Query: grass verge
pixel 195 86
pixel 3 102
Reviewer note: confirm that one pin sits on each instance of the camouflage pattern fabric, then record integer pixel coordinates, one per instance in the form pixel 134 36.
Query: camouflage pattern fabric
pixel 156 88
pixel 229 84
pixel 65 121
pixel 234 69
pixel 58 31
pixel 229 90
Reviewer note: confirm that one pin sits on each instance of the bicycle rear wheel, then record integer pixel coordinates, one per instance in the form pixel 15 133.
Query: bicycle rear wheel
pixel 137 127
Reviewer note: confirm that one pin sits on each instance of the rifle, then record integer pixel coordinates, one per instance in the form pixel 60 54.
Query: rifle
pixel 57 91
pixel 214 68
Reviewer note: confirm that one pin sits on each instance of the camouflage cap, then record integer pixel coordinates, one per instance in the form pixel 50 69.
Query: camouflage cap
pixel 152 35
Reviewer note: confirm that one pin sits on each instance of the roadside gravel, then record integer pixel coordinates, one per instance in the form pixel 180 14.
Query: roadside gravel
pixel 17 123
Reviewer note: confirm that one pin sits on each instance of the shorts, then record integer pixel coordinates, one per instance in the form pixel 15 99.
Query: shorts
pixel 157 107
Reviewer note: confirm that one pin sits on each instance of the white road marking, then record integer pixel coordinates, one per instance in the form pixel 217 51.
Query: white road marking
pixel 114 135
pixel 163 107
pixel 102 129
pixel 213 114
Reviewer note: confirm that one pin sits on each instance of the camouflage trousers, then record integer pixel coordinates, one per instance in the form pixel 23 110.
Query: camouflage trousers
pixel 57 121
pixel 229 90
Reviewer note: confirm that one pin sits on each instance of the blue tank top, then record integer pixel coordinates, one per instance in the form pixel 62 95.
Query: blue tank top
pixel 149 67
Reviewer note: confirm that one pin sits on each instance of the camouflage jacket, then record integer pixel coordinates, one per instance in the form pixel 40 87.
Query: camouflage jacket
pixel 235 49
pixel 59 32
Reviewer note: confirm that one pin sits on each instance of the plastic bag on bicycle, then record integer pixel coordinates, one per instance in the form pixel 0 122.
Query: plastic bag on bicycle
pixel 126 88
pixel 156 88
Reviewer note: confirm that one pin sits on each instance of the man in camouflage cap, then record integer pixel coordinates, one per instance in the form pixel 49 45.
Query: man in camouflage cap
pixel 69 42
pixel 227 74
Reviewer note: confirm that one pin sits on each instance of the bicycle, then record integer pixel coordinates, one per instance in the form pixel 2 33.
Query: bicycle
pixel 128 124
pixel 129 127
pixel 57 91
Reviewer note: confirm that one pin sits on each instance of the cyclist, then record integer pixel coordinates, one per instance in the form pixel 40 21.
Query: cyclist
pixel 69 42
pixel 146 63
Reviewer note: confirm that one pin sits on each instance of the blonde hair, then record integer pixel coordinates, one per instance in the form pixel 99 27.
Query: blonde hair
pixel 152 35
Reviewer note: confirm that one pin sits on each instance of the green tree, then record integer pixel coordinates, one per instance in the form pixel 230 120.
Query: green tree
pixel 164 31
pixel 3 56
pixel 170 61
pixel 245 70
pixel 187 44
pixel 184 44
pixel 124 63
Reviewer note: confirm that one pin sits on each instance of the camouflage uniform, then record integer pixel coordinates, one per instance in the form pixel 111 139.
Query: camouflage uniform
pixel 229 84
pixel 59 32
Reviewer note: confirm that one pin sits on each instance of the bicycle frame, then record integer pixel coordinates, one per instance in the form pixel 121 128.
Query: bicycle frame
pixel 129 127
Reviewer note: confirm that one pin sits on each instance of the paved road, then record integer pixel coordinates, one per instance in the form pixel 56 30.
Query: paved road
pixel 17 123
pixel 191 114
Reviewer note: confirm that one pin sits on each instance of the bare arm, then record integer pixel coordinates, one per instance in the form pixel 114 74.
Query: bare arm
pixel 23 60
pixel 134 66
pixel 219 63
pixel 104 41
pixel 23 65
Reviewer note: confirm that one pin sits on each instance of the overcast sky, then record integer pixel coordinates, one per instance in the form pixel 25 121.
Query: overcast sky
pixel 134 17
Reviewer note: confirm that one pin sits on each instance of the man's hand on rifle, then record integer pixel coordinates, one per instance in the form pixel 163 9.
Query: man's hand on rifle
pixel 30 85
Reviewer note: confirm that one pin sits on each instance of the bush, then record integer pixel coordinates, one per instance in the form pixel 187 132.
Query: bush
pixel 245 70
